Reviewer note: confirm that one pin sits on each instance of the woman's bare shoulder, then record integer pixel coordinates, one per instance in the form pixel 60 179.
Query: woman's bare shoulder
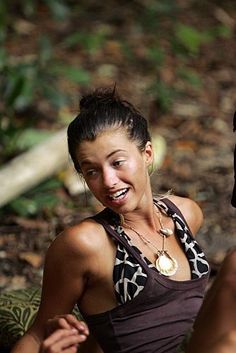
pixel 73 251
pixel 190 210
pixel 81 239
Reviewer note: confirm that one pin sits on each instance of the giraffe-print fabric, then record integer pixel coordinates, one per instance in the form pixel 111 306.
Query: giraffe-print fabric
pixel 128 275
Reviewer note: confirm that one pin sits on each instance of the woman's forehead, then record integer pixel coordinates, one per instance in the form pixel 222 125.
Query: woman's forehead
pixel 106 143
pixel 111 137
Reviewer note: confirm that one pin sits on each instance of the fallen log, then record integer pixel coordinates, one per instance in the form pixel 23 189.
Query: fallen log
pixel 46 159
pixel 33 166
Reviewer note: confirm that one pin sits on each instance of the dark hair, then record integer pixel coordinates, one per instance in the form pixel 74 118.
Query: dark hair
pixel 101 110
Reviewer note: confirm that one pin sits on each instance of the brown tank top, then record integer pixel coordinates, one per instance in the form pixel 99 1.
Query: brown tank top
pixel 157 320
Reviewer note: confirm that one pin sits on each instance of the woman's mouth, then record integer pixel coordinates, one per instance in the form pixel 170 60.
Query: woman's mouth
pixel 118 195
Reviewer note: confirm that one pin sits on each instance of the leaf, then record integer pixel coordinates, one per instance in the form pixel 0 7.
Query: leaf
pixel 154 11
pixel 75 74
pixel 46 201
pixel 91 42
pixel 127 50
pixel 17 312
pixel 18 140
pixel 73 39
pixel 190 76
pixel 223 31
pixel 42 197
pixel 190 38
pixel 59 9
pixel 48 185
pixel 3 58
pixel 26 316
pixel 24 206
pixel 14 89
pixel 45 50
pixel 57 98
pixel 3 18
pixel 20 81
pixel 162 94
pixel 30 137
pixel 156 55
pixel 29 7
pixel 25 97
pixel 161 7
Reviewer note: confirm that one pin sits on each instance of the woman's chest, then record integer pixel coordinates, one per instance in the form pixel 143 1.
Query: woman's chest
pixel 99 293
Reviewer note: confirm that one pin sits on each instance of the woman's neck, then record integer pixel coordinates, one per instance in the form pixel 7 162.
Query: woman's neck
pixel 143 217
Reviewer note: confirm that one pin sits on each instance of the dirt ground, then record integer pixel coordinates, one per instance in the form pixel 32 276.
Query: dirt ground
pixel 198 163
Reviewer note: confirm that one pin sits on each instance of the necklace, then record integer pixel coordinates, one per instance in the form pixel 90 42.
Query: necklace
pixel 165 264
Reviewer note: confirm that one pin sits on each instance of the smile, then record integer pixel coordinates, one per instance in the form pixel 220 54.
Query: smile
pixel 119 194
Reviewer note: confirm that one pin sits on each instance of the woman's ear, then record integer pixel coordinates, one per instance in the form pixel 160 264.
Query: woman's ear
pixel 148 153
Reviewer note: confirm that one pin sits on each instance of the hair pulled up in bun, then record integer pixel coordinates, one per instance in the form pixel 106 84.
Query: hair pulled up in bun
pixel 103 110
pixel 99 96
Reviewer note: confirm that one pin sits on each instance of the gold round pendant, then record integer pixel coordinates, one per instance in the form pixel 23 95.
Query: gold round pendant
pixel 166 264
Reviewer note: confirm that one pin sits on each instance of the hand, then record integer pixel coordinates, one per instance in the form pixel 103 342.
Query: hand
pixel 67 321
pixel 62 341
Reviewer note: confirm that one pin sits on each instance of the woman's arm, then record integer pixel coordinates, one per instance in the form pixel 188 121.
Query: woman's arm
pixel 68 322
pixel 66 273
pixel 61 341
pixel 30 342
pixel 191 212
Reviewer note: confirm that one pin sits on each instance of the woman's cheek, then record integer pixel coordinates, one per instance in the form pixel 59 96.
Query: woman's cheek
pixel 93 186
pixel 136 168
pixel 133 166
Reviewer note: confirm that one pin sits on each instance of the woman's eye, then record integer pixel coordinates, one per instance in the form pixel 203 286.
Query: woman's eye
pixel 90 172
pixel 119 162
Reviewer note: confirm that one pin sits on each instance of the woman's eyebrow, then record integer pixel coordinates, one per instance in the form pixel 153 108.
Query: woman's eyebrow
pixel 85 162
pixel 88 162
pixel 113 152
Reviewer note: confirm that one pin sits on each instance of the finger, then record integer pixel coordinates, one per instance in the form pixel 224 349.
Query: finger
pixel 65 342
pixel 72 349
pixel 73 322
pixel 58 335
pixel 81 326
pixel 62 339
pixel 55 324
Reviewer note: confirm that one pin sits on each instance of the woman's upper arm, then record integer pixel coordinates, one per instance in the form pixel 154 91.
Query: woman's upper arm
pixel 58 293
pixel 66 271
pixel 191 212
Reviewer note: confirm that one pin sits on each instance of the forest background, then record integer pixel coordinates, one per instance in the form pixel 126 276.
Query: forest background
pixel 175 60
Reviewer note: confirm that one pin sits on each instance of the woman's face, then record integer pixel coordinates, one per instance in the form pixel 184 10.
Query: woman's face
pixel 115 170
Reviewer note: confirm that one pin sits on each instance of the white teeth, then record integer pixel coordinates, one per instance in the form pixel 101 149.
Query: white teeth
pixel 118 193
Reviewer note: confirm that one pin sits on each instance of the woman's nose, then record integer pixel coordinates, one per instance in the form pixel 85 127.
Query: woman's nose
pixel 109 178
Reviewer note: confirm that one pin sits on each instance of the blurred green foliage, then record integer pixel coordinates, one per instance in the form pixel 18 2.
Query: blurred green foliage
pixel 23 139
pixel 90 42
pixel 28 79
pixel 39 201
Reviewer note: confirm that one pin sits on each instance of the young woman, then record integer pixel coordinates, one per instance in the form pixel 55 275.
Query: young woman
pixel 135 270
